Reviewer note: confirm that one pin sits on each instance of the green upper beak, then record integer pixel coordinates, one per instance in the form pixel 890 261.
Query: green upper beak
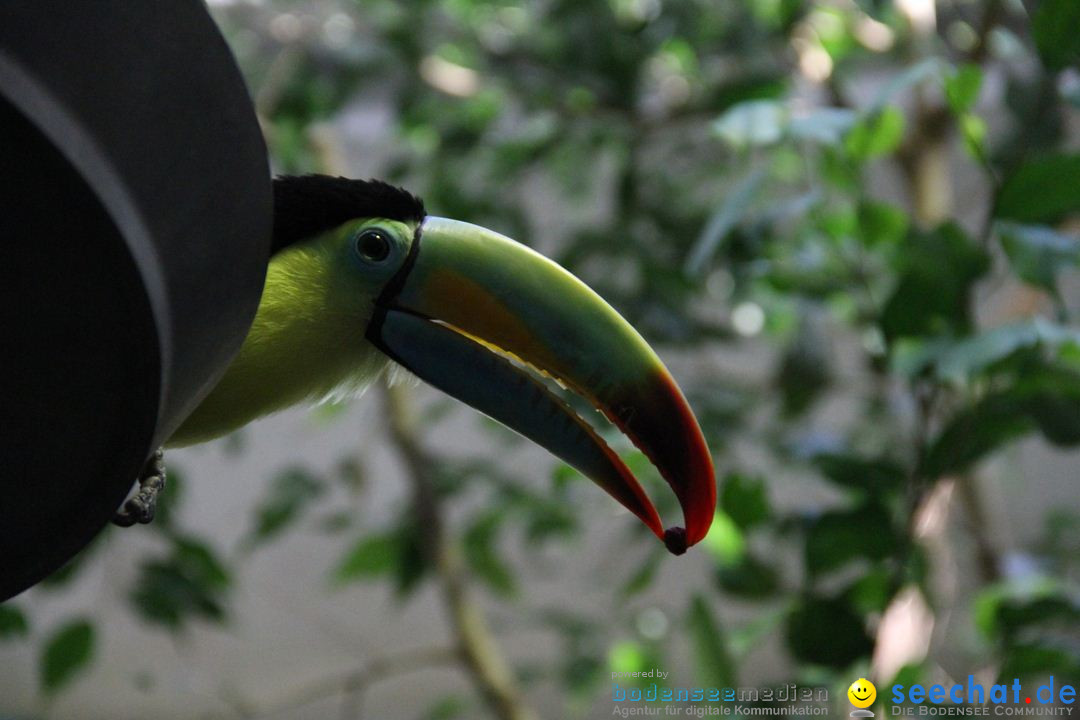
pixel 467 301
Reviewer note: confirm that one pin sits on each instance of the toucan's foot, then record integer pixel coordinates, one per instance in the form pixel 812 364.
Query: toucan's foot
pixel 140 507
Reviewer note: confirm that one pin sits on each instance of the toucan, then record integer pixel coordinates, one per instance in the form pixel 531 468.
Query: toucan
pixel 361 278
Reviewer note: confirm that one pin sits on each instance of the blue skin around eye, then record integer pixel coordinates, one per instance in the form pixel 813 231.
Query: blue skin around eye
pixel 382 269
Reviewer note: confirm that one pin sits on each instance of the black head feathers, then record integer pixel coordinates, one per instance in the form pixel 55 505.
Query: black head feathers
pixel 308 205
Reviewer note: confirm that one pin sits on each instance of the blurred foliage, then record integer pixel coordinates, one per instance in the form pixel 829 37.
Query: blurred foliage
pixel 741 179
pixel 67 651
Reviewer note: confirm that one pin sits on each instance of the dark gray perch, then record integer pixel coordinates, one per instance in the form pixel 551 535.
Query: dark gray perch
pixel 135 215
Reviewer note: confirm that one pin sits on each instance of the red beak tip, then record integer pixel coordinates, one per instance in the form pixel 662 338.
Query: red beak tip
pixel 675 540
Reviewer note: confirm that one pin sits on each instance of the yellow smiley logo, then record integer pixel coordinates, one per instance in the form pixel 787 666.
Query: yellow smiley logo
pixel 862 693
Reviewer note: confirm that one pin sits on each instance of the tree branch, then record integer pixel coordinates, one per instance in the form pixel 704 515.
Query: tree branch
pixel 352 684
pixel 356 684
pixel 484 660
pixel 925 162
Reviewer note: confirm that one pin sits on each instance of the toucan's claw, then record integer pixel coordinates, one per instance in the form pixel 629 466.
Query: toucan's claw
pixel 141 506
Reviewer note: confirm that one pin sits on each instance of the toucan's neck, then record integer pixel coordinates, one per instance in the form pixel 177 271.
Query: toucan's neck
pixel 307 341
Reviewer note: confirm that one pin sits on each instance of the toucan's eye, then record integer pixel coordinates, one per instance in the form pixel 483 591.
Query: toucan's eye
pixel 372 245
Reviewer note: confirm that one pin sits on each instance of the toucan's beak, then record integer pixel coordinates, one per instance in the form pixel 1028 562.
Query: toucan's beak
pixel 469 301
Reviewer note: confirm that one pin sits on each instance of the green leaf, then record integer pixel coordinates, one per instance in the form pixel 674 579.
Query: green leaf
pixel 1037 253
pixel 755 122
pixel 163 595
pixel 351 473
pixel 748 577
pixel 447 708
pixel 984 610
pixel 825 125
pixel 872 592
pixel 1054 29
pixel 1017 615
pixel 1050 395
pixel 68 651
pixel 1058 417
pixel 198 560
pixel 730 213
pixel 548 521
pixel 748 636
pixel 880 224
pixel 336 522
pixel 834 32
pixel 911 357
pixel 804 371
pixel 839 537
pixel 745 499
pixel 414 562
pixel 724 540
pixel 973 129
pixel 713 660
pixel 626 657
pixel 1009 608
pixel 290 492
pixel 869 475
pixel 768 85
pixel 936 279
pixel 562 478
pixel 370 558
pixel 880 10
pixel 1041 190
pixel 481 543
pixel 828 632
pixel 13 622
pixel 876 135
pixel 962 88
pixel 961 361
pixel 973 433
pixel 914 75
pixel 1030 661
pixel 1044 397
pixel 191 582
pixel 581 671
pixel 779 14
